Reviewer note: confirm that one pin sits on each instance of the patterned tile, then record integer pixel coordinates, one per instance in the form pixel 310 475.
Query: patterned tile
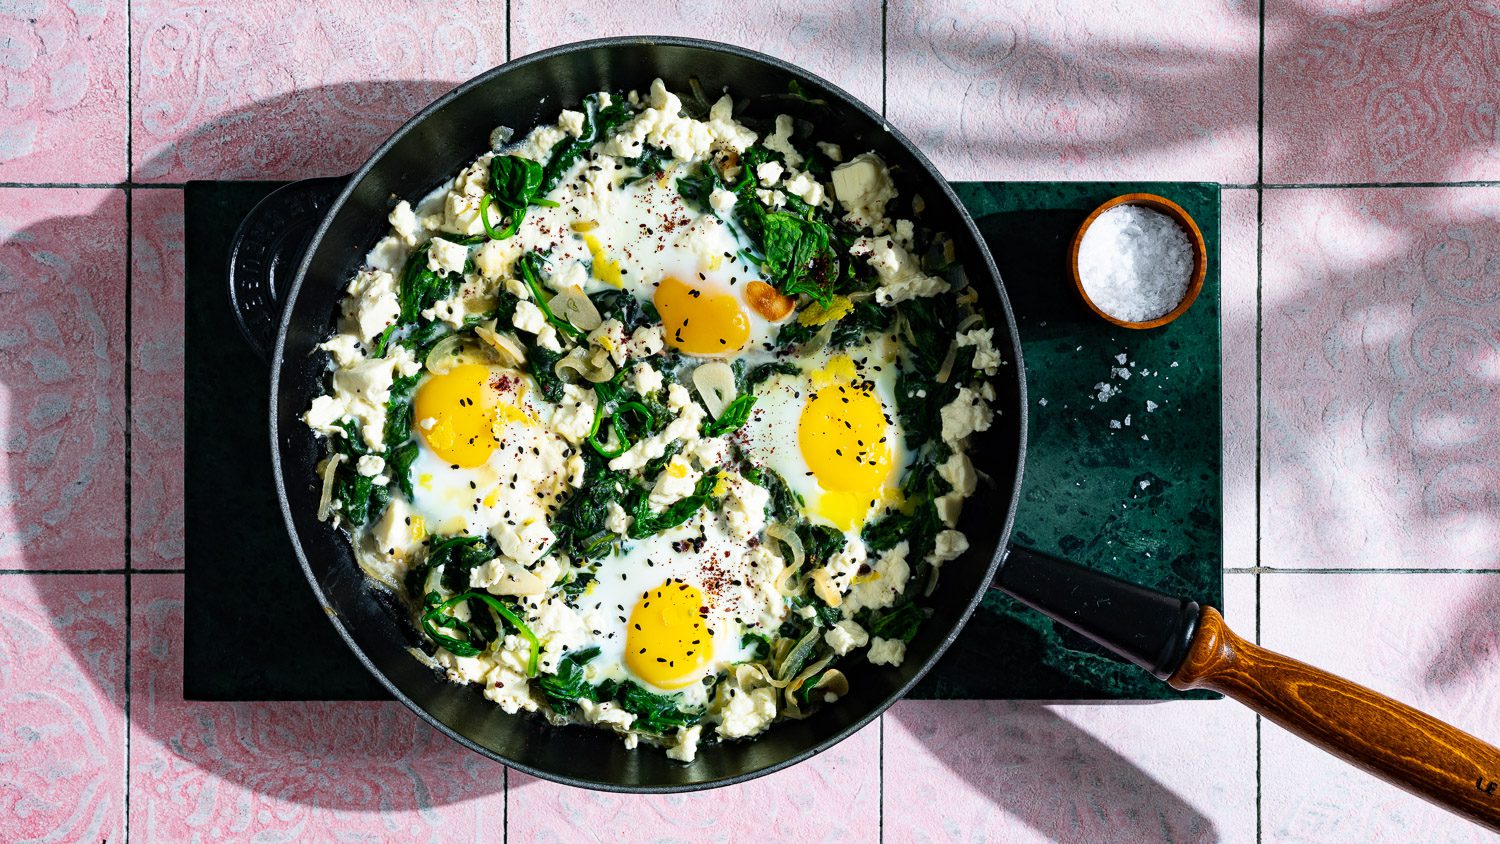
pixel 1050 90
pixel 283 90
pixel 978 771
pixel 62 388
pixel 62 83
pixel 1237 320
pixel 156 373
pixel 1382 380
pixel 1398 92
pixel 843 783
pixel 286 771
pixel 839 41
pixel 62 707
pixel 1430 640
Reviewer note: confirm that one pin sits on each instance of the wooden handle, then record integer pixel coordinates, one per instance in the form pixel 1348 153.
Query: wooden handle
pixel 1385 737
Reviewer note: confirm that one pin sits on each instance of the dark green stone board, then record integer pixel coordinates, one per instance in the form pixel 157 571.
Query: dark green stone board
pixel 1082 497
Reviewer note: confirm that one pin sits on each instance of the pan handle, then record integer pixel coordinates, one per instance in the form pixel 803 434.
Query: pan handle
pixel 1193 649
pixel 267 250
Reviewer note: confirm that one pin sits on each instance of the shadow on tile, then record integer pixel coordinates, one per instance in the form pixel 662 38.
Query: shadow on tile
pixel 1040 770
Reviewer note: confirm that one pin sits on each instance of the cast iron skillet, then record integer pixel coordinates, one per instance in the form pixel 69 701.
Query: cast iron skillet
pixel 1169 636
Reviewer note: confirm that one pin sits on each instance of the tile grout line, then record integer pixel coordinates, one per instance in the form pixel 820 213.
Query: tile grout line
pixel 1252 570
pixel 1477 183
pixel 1260 200
pixel 880 742
pixel 880 783
pixel 129 357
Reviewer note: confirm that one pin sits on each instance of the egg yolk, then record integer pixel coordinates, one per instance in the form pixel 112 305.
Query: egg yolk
pixel 461 406
pixel 700 321
pixel 668 643
pixel 844 436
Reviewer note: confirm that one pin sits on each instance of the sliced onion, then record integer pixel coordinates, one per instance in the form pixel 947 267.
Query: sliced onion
pixel 793 708
pixel 757 672
pixel 505 344
pixel 946 370
pixel 579 361
pixel 575 306
pixel 823 587
pixel 784 534
pixel 445 355
pixel 325 498
pixel 820 340
pixel 715 383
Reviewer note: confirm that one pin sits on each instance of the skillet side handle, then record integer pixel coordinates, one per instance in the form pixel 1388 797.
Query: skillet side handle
pixel 1389 739
pixel 266 251
pixel 1149 628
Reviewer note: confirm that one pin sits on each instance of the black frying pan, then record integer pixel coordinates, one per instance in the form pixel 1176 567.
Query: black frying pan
pixel 1158 632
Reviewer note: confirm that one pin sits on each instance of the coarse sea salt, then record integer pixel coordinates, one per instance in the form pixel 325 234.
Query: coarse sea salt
pixel 1135 263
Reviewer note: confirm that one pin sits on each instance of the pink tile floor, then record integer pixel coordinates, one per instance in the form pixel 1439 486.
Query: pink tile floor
pixel 1361 268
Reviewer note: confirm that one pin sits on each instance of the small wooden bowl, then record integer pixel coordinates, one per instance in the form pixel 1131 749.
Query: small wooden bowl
pixel 1195 238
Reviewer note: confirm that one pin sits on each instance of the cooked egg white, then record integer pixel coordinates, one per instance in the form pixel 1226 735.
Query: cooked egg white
pixel 832 433
pixel 485 453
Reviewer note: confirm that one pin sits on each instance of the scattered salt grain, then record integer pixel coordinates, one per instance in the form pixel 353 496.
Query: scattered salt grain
pixel 1127 420
pixel 1135 263
pixel 1120 358
pixel 1151 406
pixel 1042 402
pixel 1145 484
pixel 1104 392
pixel 1114 423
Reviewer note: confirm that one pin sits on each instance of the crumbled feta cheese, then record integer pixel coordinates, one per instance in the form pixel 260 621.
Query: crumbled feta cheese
pixel 525 542
pixel 616 519
pixel 748 713
pixel 371 304
pixel 685 748
pixel 661 124
pixel 950 545
pixel 606 714
pixel 496 257
pixel 574 415
pixel 883 586
pixel 344 348
pixel 899 272
pixel 845 636
pixel 647 381
pixel 576 468
pixel 371 465
pixel 389 254
pixel 863 186
pixel 966 414
pixel 986 357
pixel 675 483
pixel 726 130
pixel 404 222
pixel 502 576
pixel 805 186
pixel 958 471
pixel 529 318
pixel 772 198
pixel 890 652
pixel 769 173
pixel 781 141
pixel 646 341
pixel 571 122
pixel 610 336
pixel 722 201
pixel 744 507
pixel 393 535
pixel 684 427
pixel 834 152
pixel 445 256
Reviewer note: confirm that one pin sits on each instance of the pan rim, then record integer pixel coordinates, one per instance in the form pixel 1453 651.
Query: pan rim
pixel 984 259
